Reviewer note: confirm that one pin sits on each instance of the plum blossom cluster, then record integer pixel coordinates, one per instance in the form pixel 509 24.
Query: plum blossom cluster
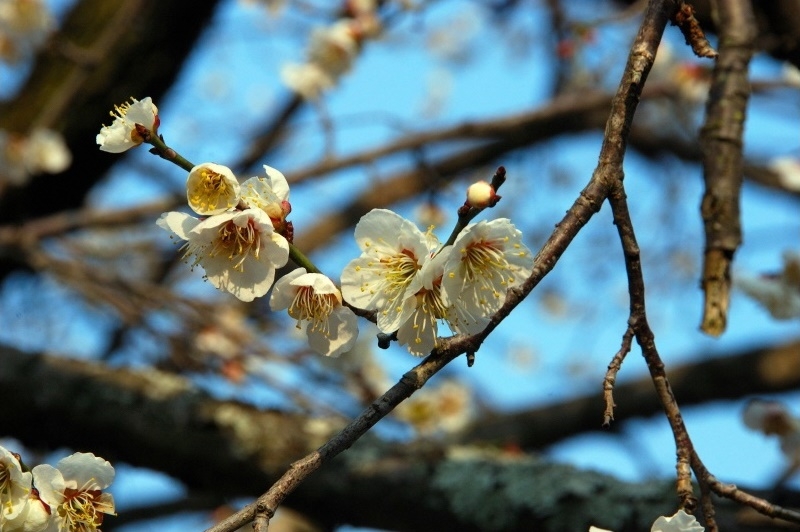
pixel 236 241
pixel 332 50
pixel 23 156
pixel 69 497
pixel 413 283
pixel 241 235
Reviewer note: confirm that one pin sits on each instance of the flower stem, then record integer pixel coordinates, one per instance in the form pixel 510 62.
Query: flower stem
pixel 467 213
pixel 301 260
pixel 161 149
pixel 165 152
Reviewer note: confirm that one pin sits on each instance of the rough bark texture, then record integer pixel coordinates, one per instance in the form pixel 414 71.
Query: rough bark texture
pixel 152 419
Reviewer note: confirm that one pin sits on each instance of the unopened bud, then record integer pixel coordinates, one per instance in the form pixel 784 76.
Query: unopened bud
pixel 481 194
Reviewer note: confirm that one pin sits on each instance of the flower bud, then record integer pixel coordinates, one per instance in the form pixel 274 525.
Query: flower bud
pixel 481 194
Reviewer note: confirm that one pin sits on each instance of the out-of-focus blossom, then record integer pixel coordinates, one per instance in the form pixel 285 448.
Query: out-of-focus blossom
pixel 307 79
pixel 788 171
pixel 680 522
pixel 779 293
pixel 122 135
pixel 691 79
pixel 443 409
pixel 429 214
pixel 42 151
pixel 24 26
pixel 74 491
pixel 211 189
pixel 773 419
pixel 791 74
pixel 238 250
pixel 274 7
pixel 313 300
pixel 330 54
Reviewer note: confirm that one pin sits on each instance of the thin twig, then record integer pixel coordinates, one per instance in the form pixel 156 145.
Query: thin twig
pixel 611 376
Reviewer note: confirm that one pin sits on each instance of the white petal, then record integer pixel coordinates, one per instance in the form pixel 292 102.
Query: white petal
pixel 342 334
pixel 278 183
pixel 321 284
pixel 384 231
pixel 178 222
pixel 680 522
pixel 50 483
pixel 251 281
pixel 85 468
pixel 361 284
pixel 418 333
pixel 284 292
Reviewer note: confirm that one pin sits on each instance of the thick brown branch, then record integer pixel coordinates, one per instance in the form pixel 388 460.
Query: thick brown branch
pixel 721 140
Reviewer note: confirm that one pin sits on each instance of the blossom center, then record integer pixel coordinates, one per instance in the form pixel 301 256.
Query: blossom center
pixel 313 307
pixel 237 242
pixel 83 510
pixel 120 110
pixel 481 258
pixel 429 308
pixel 213 187
pixel 400 270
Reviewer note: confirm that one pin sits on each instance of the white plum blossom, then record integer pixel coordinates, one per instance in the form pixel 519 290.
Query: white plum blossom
pixel 680 522
pixel 14 487
pixel 420 330
pixel 211 189
pixel 121 135
pixel 74 491
pixel 270 194
pixel 313 299
pixel 487 259
pixel 393 253
pixel 238 250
